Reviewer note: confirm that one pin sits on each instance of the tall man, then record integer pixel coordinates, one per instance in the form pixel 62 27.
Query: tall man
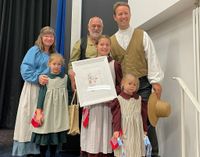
pixel 86 47
pixel 134 49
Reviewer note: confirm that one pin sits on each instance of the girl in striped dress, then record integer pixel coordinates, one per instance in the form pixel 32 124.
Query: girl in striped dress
pixel 131 119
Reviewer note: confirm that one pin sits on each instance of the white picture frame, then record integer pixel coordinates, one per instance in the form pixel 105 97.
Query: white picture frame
pixel 94 81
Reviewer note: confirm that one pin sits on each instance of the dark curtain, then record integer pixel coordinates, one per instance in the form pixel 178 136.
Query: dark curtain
pixel 20 22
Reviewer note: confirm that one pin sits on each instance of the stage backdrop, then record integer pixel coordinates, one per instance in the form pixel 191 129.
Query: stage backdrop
pixel 20 24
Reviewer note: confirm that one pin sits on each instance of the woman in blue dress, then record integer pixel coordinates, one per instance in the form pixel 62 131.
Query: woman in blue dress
pixel 33 71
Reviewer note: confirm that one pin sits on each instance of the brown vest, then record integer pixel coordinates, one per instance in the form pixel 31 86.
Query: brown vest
pixel 133 58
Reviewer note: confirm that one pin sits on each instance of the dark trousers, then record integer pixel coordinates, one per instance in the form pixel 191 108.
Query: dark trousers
pixel 153 139
pixel 145 91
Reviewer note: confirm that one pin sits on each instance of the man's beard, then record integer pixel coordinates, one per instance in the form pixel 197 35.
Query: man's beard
pixel 95 35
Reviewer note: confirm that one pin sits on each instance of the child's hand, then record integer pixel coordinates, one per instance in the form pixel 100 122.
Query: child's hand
pixel 39 116
pixel 116 134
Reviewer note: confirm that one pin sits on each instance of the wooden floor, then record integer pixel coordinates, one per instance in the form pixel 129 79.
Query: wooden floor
pixel 6 141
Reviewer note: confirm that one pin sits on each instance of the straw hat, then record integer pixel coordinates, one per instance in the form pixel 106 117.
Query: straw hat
pixel 157 108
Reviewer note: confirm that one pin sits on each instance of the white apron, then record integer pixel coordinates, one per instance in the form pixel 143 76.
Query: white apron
pixel 132 127
pixel 27 105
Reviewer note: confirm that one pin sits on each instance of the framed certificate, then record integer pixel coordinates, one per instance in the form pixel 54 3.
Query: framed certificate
pixel 94 81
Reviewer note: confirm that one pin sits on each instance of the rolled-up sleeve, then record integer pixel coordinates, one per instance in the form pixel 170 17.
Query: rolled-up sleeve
pixel 28 66
pixel 34 64
pixel 155 73
pixel 75 54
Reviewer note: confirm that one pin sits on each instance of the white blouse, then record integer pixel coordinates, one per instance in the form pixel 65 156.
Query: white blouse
pixel 155 73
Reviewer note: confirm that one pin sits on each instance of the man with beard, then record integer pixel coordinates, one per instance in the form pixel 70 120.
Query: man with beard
pixel 86 47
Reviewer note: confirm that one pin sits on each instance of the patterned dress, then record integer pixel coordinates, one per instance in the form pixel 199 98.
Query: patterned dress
pixel 132 126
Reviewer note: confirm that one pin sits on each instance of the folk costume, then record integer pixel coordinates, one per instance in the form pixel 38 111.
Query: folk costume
pixel 131 124
pixel 96 135
pixel 33 64
pixel 134 49
pixel 53 100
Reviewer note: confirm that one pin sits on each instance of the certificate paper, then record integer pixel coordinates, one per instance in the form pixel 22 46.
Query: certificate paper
pixel 94 81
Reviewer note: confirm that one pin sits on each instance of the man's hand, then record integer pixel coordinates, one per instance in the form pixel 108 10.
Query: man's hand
pixel 157 89
pixel 72 78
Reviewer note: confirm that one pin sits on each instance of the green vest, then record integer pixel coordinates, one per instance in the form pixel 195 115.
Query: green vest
pixel 132 59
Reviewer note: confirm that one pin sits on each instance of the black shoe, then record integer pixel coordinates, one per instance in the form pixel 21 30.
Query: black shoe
pixel 33 155
pixel 30 155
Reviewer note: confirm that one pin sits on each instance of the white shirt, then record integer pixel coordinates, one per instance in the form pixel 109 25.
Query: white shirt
pixel 155 73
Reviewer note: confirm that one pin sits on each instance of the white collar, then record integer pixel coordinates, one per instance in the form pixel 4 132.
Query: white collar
pixel 124 36
pixel 125 31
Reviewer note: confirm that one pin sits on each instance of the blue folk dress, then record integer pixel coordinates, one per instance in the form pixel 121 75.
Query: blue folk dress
pixel 33 64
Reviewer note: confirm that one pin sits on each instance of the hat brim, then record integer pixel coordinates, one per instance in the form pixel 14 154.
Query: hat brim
pixel 153 119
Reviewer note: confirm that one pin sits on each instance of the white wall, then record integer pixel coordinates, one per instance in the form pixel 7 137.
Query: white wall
pixel 174 44
pixel 144 10
pixel 148 14
pixel 76 22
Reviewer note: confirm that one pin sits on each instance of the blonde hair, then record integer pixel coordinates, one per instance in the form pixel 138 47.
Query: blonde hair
pixel 117 4
pixel 103 36
pixel 134 77
pixel 46 30
pixel 56 56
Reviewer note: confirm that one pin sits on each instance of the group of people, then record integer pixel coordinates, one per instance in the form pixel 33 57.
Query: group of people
pixel 135 71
